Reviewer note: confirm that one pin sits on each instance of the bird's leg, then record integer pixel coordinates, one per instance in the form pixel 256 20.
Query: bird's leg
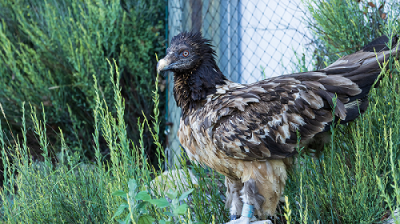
pixel 251 198
pixel 233 201
pixel 252 201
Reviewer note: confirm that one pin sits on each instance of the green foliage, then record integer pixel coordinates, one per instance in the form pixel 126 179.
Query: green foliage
pixel 70 191
pixel 50 52
pixel 137 205
pixel 392 200
pixel 341 27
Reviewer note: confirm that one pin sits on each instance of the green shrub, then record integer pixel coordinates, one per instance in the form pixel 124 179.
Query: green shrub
pixel 341 186
pixel 341 27
pixel 50 50
pixel 71 191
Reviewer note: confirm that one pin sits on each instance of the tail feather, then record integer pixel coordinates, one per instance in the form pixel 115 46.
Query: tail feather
pixel 363 68
pixel 380 44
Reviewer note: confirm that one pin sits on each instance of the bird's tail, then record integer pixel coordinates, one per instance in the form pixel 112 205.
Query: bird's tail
pixel 364 68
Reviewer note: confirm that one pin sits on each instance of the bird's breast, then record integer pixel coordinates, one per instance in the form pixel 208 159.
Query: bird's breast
pixel 198 144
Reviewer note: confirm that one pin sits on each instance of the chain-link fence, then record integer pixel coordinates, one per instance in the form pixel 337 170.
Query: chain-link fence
pixel 254 40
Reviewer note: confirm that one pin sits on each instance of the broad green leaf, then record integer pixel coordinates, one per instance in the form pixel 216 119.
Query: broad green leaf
pixel 143 195
pixel 119 193
pixel 172 194
pixel 120 209
pixel 141 205
pixel 165 222
pixel 181 210
pixel 175 203
pixel 168 214
pixel 160 203
pixel 146 219
pixel 185 194
pixel 120 221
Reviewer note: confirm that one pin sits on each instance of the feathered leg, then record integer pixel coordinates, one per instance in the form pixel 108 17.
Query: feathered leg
pixel 262 190
pixel 233 201
pixel 250 199
pixel 251 196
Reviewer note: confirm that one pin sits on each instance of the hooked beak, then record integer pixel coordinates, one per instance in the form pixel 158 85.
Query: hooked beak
pixel 163 64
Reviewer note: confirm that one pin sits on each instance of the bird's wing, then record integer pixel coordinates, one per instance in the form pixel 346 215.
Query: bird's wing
pixel 264 120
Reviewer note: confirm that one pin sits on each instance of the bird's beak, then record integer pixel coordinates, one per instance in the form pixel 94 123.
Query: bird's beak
pixel 164 64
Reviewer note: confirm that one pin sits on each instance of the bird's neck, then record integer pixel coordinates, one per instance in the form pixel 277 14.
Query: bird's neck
pixel 192 88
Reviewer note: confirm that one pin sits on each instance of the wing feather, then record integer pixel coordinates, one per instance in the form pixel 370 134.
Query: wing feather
pixel 261 120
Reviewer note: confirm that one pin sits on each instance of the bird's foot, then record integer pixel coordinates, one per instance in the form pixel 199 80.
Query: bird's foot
pixel 247 220
pixel 262 222
pixel 242 220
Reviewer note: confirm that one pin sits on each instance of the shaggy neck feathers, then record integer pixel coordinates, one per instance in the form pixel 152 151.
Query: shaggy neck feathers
pixel 191 88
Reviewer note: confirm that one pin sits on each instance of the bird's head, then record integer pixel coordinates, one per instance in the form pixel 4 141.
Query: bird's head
pixel 187 51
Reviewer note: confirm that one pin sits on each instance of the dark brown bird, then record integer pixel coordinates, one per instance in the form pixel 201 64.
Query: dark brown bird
pixel 247 132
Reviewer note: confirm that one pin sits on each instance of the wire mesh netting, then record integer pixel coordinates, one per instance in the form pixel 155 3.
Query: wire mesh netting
pixel 253 39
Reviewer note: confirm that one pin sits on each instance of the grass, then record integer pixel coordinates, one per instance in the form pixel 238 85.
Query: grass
pixel 50 50
pixel 66 190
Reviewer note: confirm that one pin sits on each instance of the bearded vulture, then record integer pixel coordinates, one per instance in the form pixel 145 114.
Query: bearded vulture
pixel 248 132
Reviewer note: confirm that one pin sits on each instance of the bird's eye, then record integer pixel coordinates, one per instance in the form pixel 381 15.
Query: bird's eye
pixel 185 53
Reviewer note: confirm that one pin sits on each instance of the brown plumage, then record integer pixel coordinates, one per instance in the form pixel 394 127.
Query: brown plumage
pixel 247 132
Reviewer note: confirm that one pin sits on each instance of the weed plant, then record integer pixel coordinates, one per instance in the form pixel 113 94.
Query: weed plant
pixel 50 50
pixel 70 191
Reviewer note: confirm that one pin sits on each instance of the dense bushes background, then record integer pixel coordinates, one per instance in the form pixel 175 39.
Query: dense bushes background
pixel 341 27
pixel 50 50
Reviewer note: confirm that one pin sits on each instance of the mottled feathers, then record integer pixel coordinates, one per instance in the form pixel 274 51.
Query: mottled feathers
pixel 227 125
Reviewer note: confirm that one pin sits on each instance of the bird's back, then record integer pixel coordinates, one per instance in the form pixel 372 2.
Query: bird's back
pixel 264 120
